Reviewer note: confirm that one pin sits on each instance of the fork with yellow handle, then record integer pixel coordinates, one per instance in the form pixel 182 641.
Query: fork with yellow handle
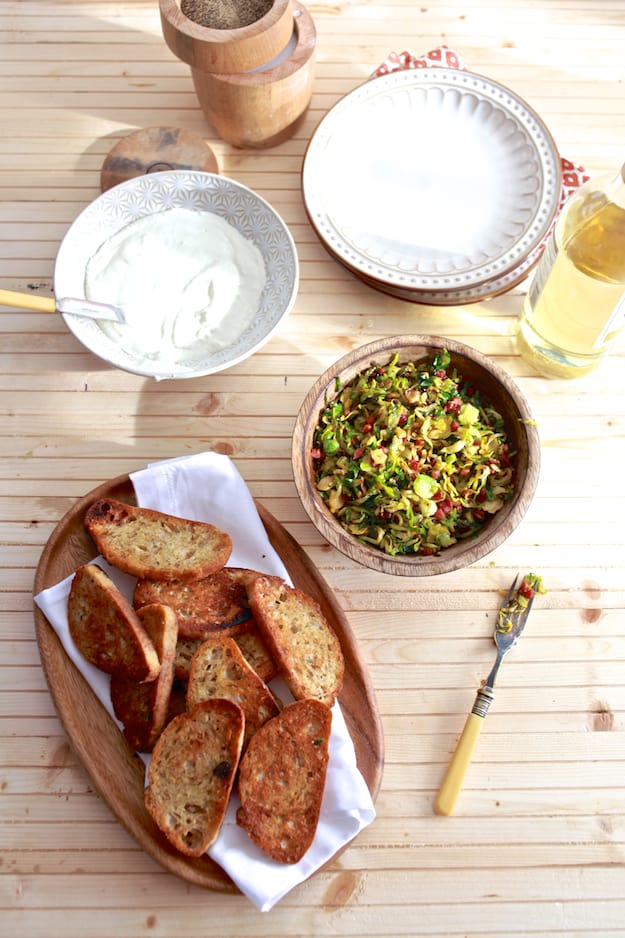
pixel 511 620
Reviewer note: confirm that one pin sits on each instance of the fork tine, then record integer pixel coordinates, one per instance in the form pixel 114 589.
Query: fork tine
pixel 512 588
pixel 514 618
pixel 524 614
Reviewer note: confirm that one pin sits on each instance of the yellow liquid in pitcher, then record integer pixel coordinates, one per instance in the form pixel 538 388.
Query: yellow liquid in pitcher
pixel 574 308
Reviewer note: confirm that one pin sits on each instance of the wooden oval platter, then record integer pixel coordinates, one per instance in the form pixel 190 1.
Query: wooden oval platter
pixel 116 772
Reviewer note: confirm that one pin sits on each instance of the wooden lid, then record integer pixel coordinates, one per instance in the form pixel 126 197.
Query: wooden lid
pixel 156 149
pixel 227 50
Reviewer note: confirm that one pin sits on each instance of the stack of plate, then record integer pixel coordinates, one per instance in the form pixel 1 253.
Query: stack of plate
pixel 435 185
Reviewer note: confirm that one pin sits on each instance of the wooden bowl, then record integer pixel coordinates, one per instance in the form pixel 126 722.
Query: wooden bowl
pixel 495 385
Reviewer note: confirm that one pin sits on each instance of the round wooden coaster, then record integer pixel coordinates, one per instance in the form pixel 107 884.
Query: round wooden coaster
pixel 155 149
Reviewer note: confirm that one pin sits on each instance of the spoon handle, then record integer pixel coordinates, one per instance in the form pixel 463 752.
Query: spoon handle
pixel 43 304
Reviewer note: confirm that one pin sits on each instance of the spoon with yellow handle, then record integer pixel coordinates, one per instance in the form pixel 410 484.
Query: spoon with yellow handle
pixel 66 305
pixel 511 620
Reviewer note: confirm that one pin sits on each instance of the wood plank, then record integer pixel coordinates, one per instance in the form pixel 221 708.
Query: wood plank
pixel 537 844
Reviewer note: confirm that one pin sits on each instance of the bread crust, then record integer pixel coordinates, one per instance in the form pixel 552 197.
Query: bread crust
pixel 191 774
pixel 153 545
pixel 299 638
pixel 143 708
pixel 106 629
pixel 282 778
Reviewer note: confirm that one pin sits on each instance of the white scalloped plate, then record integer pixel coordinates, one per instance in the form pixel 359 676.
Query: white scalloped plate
pixel 431 180
pixel 144 195
pixel 485 290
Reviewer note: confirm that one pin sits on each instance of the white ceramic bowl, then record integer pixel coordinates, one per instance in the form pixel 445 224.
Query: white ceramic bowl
pixel 145 195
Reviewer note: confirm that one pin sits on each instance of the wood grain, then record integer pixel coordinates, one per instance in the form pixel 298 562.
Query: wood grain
pixel 117 773
pixel 155 149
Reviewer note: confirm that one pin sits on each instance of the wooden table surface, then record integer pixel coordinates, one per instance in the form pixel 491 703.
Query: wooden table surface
pixel 537 843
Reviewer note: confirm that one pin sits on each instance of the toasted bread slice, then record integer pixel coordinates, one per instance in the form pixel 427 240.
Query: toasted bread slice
pixel 218 669
pixel 299 638
pixel 153 545
pixel 143 708
pixel 106 629
pixel 185 649
pixel 256 652
pixel 192 771
pixel 281 780
pixel 213 604
pixel 251 644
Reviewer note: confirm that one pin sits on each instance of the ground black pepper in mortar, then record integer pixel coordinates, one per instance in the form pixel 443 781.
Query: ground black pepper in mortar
pixel 225 14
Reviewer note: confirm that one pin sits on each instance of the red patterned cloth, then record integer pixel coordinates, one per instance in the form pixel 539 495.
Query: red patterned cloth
pixel 443 57
pixel 572 175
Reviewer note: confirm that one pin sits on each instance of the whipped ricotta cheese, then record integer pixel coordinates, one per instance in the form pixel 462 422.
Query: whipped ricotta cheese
pixel 189 284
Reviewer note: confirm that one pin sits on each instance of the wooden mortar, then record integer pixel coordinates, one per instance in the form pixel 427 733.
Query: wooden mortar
pixel 227 50
pixel 262 107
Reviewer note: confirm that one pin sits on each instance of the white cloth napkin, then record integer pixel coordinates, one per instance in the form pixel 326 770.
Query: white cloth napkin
pixel 208 487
